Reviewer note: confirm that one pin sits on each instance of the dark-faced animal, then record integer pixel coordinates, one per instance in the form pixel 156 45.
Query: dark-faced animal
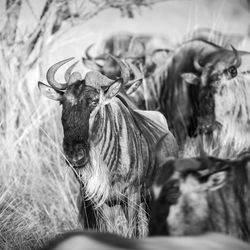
pixel 224 86
pixel 177 99
pixel 201 195
pixel 108 143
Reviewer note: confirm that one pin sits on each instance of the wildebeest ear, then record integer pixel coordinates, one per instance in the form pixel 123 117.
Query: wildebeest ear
pixel 190 78
pixel 49 92
pixel 216 180
pixel 113 90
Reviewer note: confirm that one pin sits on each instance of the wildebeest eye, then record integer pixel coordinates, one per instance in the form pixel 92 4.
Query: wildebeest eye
pixel 232 71
pixel 93 103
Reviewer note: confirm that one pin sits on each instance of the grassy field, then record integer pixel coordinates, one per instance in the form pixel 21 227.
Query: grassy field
pixel 38 191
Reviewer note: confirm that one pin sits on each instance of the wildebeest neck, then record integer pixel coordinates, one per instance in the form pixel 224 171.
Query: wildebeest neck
pixel 123 140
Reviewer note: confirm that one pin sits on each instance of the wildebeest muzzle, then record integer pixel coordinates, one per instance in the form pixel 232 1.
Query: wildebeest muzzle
pixel 77 154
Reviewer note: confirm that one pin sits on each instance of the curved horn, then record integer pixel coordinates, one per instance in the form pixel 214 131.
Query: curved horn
pixel 101 57
pixel 125 74
pixel 51 75
pixel 197 64
pixel 89 57
pixel 68 71
pixel 133 84
pixel 237 57
pixel 92 63
pixel 135 58
pixel 136 72
pixel 87 54
pixel 160 50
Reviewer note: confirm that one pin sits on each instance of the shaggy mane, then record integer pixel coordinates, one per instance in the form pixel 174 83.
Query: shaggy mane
pixel 121 150
pixel 232 111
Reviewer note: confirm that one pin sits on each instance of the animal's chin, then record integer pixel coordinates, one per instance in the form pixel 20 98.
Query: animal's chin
pixel 78 164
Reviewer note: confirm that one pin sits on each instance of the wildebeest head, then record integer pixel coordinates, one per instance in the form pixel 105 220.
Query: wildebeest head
pixel 121 45
pixel 190 214
pixel 79 98
pixel 211 195
pixel 102 63
pixel 180 194
pixel 214 68
pixel 138 50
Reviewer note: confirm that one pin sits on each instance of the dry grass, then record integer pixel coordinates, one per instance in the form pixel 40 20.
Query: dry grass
pixel 38 192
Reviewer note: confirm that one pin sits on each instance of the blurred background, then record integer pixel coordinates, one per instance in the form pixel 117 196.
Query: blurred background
pixel 171 18
pixel 38 192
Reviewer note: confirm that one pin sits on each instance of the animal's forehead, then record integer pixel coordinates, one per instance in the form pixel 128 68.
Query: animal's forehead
pixel 78 91
pixel 97 79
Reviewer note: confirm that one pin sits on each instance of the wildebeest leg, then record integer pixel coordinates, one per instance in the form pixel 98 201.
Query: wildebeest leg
pixel 87 213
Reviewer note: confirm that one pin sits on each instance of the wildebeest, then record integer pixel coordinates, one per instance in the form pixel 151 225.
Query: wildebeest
pixel 108 142
pixel 183 88
pixel 89 240
pixel 177 100
pixel 187 84
pixel 223 100
pixel 137 48
pixel 203 194
pixel 146 52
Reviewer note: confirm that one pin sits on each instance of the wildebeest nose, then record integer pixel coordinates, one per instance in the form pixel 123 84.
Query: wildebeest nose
pixel 77 156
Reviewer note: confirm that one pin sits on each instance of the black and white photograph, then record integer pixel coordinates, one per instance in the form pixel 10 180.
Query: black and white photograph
pixel 124 124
